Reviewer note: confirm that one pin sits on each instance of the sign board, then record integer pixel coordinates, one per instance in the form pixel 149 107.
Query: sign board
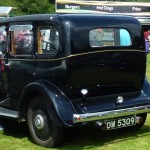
pixel 103 7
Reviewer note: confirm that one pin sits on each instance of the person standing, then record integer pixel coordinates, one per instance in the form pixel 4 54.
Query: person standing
pixel 2 51
pixel 125 39
pixel 147 39
pixel 2 43
pixel 24 42
pixel 98 37
pixel 147 34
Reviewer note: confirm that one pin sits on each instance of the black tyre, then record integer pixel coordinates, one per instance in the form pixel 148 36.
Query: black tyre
pixel 41 126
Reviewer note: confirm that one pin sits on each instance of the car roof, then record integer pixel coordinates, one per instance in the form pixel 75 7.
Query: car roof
pixel 67 17
pixel 34 17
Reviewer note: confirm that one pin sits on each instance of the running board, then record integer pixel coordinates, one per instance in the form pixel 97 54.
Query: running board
pixel 8 113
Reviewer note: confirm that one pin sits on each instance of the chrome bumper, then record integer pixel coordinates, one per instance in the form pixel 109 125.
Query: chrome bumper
pixel 110 114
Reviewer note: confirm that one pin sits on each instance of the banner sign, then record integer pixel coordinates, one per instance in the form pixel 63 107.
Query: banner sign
pixel 103 7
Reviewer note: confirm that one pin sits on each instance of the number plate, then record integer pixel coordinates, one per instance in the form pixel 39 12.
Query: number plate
pixel 120 122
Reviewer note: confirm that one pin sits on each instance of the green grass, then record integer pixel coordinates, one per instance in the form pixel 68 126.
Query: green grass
pixel 16 137
pixel 148 67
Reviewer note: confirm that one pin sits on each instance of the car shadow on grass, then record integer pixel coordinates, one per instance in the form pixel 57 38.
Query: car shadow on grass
pixel 91 137
pixel 13 128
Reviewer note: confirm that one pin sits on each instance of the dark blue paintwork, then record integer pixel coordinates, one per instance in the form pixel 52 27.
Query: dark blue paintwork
pixel 106 72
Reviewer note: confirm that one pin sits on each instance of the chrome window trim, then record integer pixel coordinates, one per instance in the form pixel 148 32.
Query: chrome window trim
pixel 20 27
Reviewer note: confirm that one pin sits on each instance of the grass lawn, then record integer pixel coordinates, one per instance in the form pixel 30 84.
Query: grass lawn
pixel 148 67
pixel 16 137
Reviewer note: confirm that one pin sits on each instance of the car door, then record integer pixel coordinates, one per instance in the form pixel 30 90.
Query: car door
pixel 3 61
pixel 20 58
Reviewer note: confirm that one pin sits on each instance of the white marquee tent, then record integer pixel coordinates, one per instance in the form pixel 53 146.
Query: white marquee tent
pixel 4 11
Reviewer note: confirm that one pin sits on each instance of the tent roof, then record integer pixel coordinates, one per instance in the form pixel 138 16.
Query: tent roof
pixel 4 11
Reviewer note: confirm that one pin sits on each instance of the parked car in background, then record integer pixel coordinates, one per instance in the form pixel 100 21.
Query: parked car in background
pixel 54 75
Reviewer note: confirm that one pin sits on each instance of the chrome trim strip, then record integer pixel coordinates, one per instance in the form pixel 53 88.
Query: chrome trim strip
pixel 87 53
pixel 66 57
pixel 110 114
pixel 9 113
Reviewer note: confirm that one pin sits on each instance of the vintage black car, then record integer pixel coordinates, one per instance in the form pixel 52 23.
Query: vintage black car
pixel 69 70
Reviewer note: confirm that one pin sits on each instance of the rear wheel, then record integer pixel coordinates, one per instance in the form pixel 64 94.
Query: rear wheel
pixel 41 126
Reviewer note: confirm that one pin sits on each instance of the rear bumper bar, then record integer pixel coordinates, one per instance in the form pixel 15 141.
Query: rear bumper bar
pixel 110 114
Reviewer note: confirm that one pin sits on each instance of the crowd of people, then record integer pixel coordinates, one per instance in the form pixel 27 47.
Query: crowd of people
pixel 24 42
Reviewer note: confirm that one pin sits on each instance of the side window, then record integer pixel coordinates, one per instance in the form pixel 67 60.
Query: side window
pixel 109 37
pixel 3 44
pixel 21 39
pixel 48 40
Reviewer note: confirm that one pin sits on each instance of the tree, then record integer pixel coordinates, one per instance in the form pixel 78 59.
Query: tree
pixel 23 7
pixel 35 7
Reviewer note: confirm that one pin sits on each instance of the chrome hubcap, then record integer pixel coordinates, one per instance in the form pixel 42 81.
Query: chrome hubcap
pixel 39 122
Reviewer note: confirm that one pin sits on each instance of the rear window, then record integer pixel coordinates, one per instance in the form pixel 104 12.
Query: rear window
pixel 109 37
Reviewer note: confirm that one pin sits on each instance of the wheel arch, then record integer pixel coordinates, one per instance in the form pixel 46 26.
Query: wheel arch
pixel 61 107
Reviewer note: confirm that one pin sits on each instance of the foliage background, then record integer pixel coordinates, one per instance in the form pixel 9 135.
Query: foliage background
pixel 22 7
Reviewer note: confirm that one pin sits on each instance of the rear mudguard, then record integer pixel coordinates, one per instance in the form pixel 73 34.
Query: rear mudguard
pixel 60 106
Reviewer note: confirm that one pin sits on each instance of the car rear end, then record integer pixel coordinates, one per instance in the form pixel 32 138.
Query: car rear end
pixel 105 81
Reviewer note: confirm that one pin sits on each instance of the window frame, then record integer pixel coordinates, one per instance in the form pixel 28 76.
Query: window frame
pixel 39 37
